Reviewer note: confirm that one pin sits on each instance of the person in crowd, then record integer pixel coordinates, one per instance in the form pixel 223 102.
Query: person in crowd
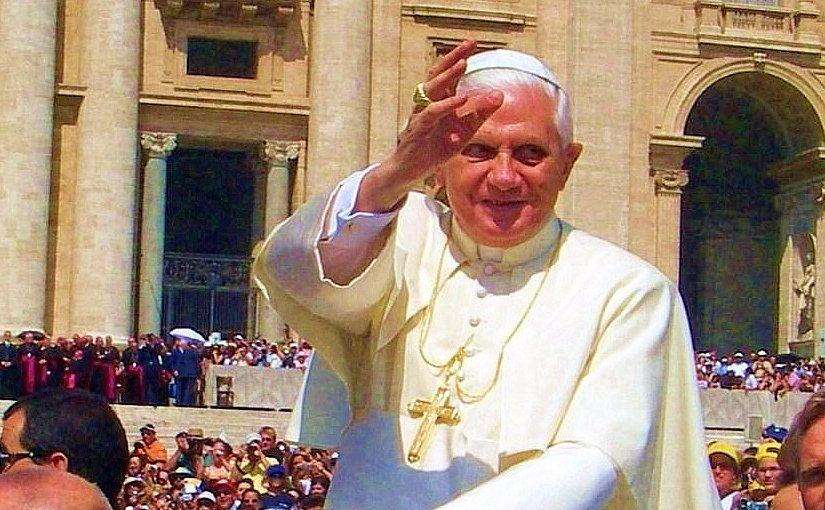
pixel 250 500
pixel 155 451
pixel 381 274
pixel 276 485
pixel 270 445
pixel 220 467
pixel 186 366
pixel 150 358
pixel 131 375
pixel 253 463
pixel 225 493
pixel 134 467
pixel 205 501
pixel 9 378
pixel 724 463
pixel 189 452
pixel 70 430
pixel 312 502
pixel 42 488
pixel 27 361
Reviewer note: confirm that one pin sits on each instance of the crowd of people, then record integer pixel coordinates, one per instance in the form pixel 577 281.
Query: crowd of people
pixel 149 370
pixel 759 371
pixel 205 473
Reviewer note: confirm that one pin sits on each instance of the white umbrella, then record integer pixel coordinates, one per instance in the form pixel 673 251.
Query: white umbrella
pixel 187 333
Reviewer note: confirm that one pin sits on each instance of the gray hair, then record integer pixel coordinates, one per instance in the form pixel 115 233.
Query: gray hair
pixel 504 79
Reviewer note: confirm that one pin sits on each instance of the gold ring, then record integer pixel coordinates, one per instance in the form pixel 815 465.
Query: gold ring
pixel 420 96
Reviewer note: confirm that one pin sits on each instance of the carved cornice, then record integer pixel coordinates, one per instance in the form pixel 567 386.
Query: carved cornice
pixel 159 145
pixel 419 9
pixel 235 11
pixel 279 154
pixel 670 181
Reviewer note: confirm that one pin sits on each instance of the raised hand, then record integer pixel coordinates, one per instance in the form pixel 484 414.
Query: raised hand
pixel 435 132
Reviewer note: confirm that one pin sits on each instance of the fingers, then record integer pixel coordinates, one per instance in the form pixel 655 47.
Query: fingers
pixel 460 52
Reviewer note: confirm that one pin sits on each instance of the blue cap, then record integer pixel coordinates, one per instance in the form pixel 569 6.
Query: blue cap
pixel 275 471
pixel 775 432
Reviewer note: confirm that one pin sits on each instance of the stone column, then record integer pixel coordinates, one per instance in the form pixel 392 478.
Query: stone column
pixel 667 156
pixel 278 159
pixel 27 39
pixel 104 209
pixel 339 135
pixel 669 184
pixel 152 229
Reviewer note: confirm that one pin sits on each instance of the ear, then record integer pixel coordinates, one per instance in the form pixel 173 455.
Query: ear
pixel 572 153
pixel 58 460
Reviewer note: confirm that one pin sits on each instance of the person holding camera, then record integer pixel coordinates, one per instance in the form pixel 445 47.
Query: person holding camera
pixel 189 453
pixel 253 463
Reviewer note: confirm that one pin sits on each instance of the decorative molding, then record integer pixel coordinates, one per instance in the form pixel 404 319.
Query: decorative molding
pixel 205 271
pixel 279 154
pixel 258 12
pixel 159 145
pixel 517 19
pixel 759 58
pixel 670 180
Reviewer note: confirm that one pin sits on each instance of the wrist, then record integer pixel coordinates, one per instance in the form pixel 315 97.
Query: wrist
pixel 380 190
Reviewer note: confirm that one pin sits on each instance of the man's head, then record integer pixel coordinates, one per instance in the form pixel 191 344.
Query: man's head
pixel 224 491
pixel 503 186
pixel 807 435
pixel 724 463
pixel 276 478
pixel 148 434
pixel 768 470
pixel 42 488
pixel 71 430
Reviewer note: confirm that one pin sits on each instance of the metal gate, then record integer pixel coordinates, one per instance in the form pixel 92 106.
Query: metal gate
pixel 205 292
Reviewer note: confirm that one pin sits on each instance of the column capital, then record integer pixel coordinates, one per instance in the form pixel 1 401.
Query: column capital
pixel 669 180
pixel 278 154
pixel 159 145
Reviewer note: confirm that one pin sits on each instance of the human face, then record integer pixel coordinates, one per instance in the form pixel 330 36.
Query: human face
pixel 724 473
pixel 225 497
pixel 134 467
pixel 250 501
pixel 812 467
pixel 767 473
pixel 503 185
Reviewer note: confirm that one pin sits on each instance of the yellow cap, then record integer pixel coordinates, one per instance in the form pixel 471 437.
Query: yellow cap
pixel 724 448
pixel 767 450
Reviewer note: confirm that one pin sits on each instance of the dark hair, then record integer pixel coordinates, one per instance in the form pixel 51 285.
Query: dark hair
pixel 311 501
pixel 83 427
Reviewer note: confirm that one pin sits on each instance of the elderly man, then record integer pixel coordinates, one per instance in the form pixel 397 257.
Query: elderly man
pixel 478 345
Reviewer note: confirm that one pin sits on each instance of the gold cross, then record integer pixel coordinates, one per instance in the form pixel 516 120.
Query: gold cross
pixel 436 410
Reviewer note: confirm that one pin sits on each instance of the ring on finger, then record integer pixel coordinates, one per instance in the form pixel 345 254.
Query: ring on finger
pixel 420 97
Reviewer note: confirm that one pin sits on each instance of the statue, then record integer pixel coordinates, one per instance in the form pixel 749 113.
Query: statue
pixel 805 290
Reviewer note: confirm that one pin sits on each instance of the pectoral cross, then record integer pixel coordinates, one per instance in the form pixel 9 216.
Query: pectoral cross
pixel 436 410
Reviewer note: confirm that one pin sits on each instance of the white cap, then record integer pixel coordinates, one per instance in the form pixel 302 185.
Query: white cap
pixel 762 352
pixel 252 437
pixel 207 495
pixel 510 59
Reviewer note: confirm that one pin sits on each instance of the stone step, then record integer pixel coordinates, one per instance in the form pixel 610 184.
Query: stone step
pixel 235 424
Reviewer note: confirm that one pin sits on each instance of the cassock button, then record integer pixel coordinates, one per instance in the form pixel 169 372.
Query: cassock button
pixel 489 269
pixel 474 321
pixel 482 292
pixel 351 226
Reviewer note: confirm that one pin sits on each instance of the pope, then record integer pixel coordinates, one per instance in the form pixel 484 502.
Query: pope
pixel 477 350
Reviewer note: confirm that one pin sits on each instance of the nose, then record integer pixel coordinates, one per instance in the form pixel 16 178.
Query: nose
pixel 503 174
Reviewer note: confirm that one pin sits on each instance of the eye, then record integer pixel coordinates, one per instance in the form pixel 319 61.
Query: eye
pixel 478 151
pixel 812 477
pixel 530 155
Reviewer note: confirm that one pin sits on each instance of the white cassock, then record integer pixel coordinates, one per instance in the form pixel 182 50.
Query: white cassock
pixel 591 403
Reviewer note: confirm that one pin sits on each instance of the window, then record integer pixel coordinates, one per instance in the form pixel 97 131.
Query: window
pixel 221 57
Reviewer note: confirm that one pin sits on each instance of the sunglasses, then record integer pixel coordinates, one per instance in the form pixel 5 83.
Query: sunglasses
pixel 7 459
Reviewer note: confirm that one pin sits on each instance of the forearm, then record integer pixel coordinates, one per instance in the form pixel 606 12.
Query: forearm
pixel 565 477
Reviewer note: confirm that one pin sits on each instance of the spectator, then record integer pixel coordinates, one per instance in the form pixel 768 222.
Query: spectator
pixel 134 467
pixel 220 468
pixel 155 451
pixel 768 472
pixel 313 502
pixel 250 500
pixel 253 463
pixel 189 452
pixel 186 367
pixel 724 463
pixel 71 430
pixel 205 501
pixel 224 491
pixel 276 485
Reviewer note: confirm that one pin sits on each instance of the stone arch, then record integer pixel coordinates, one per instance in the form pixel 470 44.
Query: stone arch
pixel 705 75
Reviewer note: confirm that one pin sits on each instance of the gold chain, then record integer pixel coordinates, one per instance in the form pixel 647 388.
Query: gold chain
pixel 457 359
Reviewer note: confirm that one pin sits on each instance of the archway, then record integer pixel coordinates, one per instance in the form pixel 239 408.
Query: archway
pixel 733 234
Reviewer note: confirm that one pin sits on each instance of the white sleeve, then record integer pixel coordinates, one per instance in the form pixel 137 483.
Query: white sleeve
pixel 568 476
pixel 349 229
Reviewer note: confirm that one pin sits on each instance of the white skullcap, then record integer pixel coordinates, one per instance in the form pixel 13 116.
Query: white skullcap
pixel 510 59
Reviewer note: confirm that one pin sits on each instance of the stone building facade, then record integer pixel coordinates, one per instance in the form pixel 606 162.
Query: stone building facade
pixel 702 122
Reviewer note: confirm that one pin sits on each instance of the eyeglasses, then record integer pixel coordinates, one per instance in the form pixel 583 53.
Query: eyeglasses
pixel 7 459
